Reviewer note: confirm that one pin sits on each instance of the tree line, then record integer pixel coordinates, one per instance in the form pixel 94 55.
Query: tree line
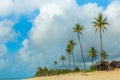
pixel 99 24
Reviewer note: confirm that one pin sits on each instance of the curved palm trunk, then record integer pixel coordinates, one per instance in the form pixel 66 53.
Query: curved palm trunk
pixel 69 61
pixel 101 45
pixel 81 51
pixel 62 63
pixel 73 59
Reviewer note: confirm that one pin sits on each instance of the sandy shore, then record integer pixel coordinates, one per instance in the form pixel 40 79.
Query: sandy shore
pixel 101 75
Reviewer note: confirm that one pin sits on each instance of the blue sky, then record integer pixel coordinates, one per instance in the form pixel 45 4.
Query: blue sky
pixel 36 33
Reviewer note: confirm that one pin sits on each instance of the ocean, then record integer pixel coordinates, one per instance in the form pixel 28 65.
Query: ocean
pixel 12 78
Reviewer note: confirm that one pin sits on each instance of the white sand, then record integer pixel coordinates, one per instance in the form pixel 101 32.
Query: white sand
pixel 98 75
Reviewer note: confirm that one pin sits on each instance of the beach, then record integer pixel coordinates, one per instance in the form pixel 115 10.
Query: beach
pixel 97 75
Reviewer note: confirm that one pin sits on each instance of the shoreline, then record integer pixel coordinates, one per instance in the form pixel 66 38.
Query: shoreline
pixel 97 75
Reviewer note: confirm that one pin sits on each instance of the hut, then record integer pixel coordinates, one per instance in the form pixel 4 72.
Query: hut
pixel 104 65
pixel 115 64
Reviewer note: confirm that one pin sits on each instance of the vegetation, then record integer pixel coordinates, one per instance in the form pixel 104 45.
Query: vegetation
pixel 93 54
pixel 48 72
pixel 55 63
pixel 62 58
pixel 78 29
pixel 93 67
pixel 68 51
pixel 99 24
pixel 104 55
pixel 72 43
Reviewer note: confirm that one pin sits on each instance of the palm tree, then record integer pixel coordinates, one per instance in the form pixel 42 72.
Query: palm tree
pixel 55 63
pixel 104 55
pixel 93 54
pixel 68 50
pixel 72 43
pixel 100 24
pixel 78 29
pixel 62 58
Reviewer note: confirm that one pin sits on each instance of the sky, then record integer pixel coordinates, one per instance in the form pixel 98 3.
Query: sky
pixel 35 32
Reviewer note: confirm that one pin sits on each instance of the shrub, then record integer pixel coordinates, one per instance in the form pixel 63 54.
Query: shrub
pixel 93 67
pixel 76 69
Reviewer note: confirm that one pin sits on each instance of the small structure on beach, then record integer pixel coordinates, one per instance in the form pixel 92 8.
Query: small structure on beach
pixel 115 64
pixel 105 65
pixel 102 65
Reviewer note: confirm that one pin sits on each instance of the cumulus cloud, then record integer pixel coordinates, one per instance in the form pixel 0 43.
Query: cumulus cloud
pixel 5 7
pixel 52 29
pixel 18 7
pixel 112 40
pixel 6 31
pixel 3 50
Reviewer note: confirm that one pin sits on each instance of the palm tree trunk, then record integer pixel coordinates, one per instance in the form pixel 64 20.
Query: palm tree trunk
pixel 63 64
pixel 73 59
pixel 81 51
pixel 69 61
pixel 101 44
pixel 92 61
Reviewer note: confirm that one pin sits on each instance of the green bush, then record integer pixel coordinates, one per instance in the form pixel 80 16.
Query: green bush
pixel 93 67
pixel 76 69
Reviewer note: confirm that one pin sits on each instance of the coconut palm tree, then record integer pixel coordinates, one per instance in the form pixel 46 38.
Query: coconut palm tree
pixel 62 58
pixel 55 63
pixel 93 54
pixel 78 29
pixel 100 24
pixel 104 55
pixel 72 43
pixel 68 51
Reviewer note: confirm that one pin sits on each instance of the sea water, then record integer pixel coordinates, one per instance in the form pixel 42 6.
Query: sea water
pixel 12 79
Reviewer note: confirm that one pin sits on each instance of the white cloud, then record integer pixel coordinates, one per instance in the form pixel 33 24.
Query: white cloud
pixel 18 7
pixel 6 31
pixel 112 41
pixel 25 6
pixel 52 29
pixel 50 26
pixel 5 7
pixel 3 50
pixel 113 13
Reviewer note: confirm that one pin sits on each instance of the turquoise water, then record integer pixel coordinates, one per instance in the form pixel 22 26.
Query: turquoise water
pixel 11 79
